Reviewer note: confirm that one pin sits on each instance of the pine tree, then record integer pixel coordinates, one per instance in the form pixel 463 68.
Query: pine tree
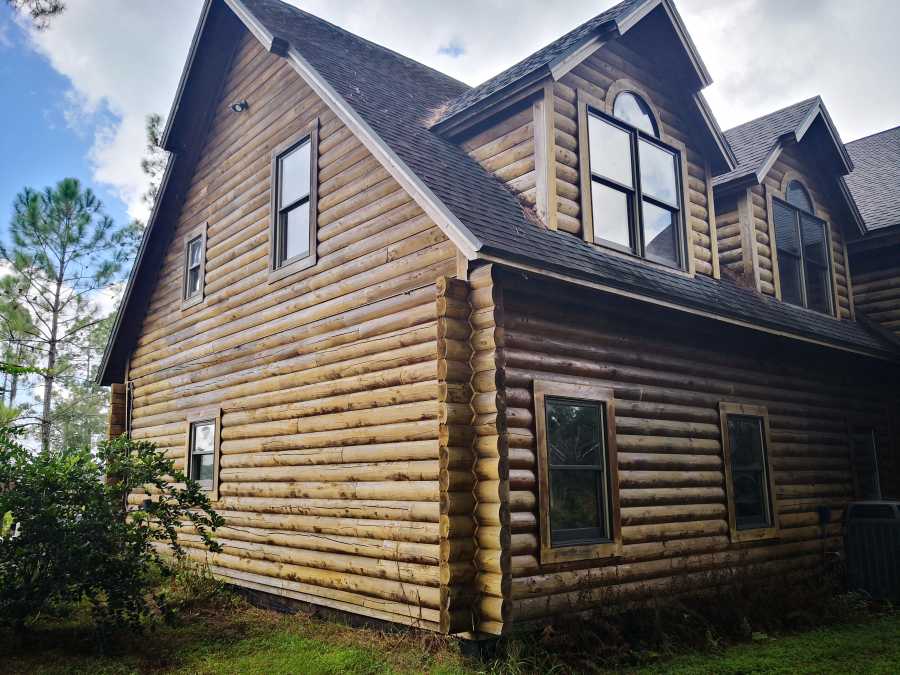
pixel 64 249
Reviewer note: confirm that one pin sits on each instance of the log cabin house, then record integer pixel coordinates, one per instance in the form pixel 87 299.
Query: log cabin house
pixel 875 254
pixel 467 358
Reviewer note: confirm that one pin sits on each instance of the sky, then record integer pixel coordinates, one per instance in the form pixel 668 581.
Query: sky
pixel 75 97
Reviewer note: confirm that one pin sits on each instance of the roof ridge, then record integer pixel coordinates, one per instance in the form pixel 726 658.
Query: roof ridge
pixel 876 133
pixel 373 44
pixel 797 104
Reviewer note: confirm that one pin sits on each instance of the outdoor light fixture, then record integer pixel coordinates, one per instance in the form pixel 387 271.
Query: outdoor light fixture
pixel 240 106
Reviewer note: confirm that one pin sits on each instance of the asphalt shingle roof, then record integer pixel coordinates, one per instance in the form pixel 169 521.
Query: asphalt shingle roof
pixel 752 141
pixel 875 179
pixel 397 98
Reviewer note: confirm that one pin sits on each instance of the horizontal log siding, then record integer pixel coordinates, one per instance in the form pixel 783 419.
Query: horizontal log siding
pixel 613 62
pixel 729 232
pixel 824 197
pixel 506 149
pixel 876 294
pixel 328 379
pixel 671 481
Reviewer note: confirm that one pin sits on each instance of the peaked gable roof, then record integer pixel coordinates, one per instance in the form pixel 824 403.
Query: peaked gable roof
pixel 388 100
pixel 875 179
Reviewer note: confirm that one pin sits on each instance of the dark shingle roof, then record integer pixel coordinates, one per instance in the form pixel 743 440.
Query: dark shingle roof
pixel 753 141
pixel 396 96
pixel 539 59
pixel 875 179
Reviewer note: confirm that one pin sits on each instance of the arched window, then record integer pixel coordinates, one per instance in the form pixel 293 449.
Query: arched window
pixel 801 240
pixel 635 184
pixel 632 109
pixel 796 195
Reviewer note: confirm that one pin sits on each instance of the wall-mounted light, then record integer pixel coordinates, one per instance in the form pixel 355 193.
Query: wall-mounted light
pixel 240 106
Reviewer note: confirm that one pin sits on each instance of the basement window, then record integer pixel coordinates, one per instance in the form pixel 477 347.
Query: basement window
pixel 202 459
pixel 577 471
pixel 804 265
pixel 748 472
pixel 293 229
pixel 635 184
pixel 194 268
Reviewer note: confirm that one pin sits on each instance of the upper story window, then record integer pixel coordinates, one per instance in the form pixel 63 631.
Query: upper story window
pixel 635 183
pixel 801 240
pixel 194 268
pixel 293 230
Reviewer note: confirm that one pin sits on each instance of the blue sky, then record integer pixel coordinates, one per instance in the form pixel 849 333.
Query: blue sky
pixel 40 145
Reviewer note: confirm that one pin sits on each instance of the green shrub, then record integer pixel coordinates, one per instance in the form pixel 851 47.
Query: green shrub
pixel 69 535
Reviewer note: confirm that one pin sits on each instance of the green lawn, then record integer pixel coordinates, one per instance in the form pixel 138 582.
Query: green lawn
pixel 236 638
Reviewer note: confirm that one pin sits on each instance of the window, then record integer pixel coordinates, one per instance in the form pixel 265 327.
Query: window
pixel 635 183
pixel 294 206
pixel 748 471
pixel 864 456
pixel 202 463
pixel 802 244
pixel 577 469
pixel 194 268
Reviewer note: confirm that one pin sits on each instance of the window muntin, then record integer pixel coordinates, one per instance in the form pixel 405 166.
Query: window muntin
pixel 864 453
pixel 576 460
pixel 293 181
pixel 801 240
pixel 633 110
pixel 639 179
pixel 193 268
pixel 201 459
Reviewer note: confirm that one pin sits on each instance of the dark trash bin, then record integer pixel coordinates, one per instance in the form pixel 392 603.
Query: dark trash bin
pixel 872 543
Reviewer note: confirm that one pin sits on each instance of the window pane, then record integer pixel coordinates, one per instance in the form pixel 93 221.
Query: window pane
pixel 658 173
pixel 786 237
pixel 749 473
pixel 204 437
pixel 632 109
pixel 202 467
pixel 295 174
pixel 574 433
pixel 611 208
pixel 296 232
pixel 610 151
pixel 194 252
pixel 193 284
pixel 814 241
pixel 659 234
pixel 818 291
pixel 789 271
pixel 865 463
pixel 574 499
pixel 796 195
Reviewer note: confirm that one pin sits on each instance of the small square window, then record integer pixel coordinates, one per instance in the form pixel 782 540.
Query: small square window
pixel 202 455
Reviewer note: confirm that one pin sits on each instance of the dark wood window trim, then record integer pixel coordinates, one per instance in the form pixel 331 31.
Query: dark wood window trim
pixel 610 545
pixel 198 235
pixel 727 410
pixel 279 268
pixel 863 425
pixel 589 105
pixel 779 196
pixel 214 416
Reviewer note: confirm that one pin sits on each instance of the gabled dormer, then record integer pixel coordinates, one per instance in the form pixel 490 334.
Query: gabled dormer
pixel 784 213
pixel 605 136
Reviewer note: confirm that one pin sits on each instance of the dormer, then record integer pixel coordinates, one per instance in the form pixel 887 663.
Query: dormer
pixel 784 213
pixel 605 136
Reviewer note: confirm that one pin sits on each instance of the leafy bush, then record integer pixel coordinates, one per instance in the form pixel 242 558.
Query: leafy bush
pixel 69 536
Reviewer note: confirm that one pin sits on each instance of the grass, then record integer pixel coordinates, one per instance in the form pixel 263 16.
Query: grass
pixel 219 633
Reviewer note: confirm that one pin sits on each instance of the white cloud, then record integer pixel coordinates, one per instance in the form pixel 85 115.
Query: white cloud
pixel 124 58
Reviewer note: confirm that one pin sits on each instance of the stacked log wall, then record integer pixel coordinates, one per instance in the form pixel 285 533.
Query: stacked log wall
pixel 327 380
pixel 876 294
pixel 730 232
pixel 671 475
